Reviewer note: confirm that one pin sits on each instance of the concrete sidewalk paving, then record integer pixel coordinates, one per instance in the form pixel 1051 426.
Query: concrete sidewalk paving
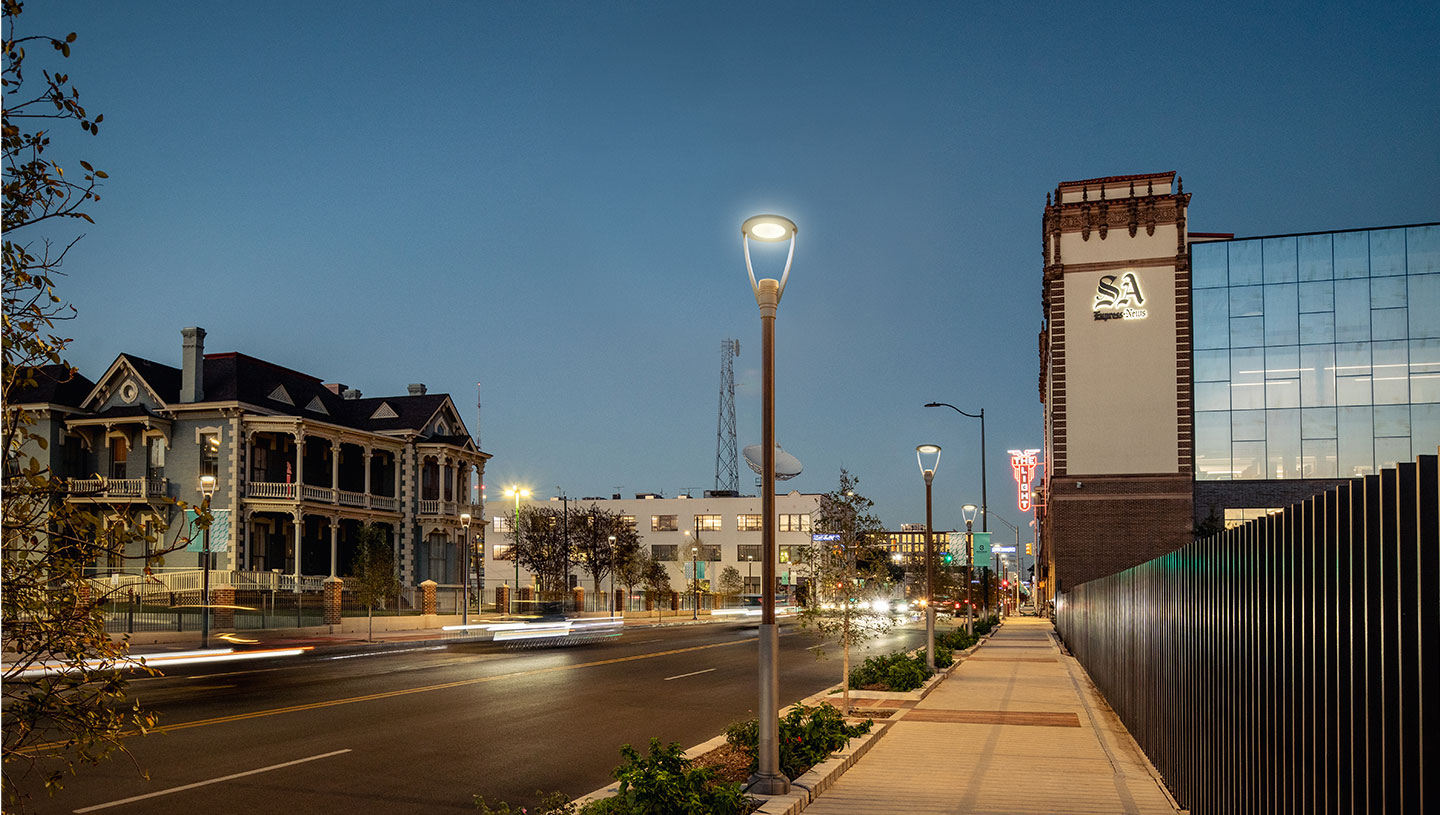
pixel 1016 728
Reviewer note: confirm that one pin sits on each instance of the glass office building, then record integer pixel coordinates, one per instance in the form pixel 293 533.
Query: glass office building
pixel 1315 356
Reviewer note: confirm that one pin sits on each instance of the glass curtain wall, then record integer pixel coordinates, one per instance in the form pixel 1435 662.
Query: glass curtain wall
pixel 1316 356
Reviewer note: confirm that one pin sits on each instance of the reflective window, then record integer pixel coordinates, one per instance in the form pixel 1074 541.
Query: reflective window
pixel 1357 441
pixel 1388 323
pixel 1392 420
pixel 1247 425
pixel 1389 452
pixel 1247 378
pixel 1425 427
pixel 1207 265
pixel 1317 327
pixel 1282 393
pixel 1282 443
pixel 1279 257
pixel 1352 254
pixel 1212 366
pixel 1248 459
pixel 1387 252
pixel 1390 376
pixel 1425 370
pixel 1315 257
pixel 1388 292
pixel 1317 296
pixel 1317 423
pixel 1317 375
pixel 1282 315
pixel 1212 395
pixel 1247 301
pixel 1319 459
pixel 1424 305
pixel 1245 263
pixel 1212 318
pixel 1352 310
pixel 1247 331
pixel 1422 248
pixel 1212 446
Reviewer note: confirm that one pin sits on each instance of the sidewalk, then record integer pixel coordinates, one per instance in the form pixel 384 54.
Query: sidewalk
pixel 1016 728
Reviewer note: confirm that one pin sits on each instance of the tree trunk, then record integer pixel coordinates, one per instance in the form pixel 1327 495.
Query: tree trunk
pixel 845 682
pixel 370 619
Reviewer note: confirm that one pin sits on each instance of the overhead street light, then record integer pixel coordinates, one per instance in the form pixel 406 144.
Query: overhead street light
pixel 465 571
pixel 984 504
pixel 768 779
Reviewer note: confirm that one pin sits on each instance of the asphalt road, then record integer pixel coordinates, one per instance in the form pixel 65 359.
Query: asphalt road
pixel 426 729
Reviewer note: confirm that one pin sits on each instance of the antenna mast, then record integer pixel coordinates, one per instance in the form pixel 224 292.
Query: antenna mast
pixel 727 460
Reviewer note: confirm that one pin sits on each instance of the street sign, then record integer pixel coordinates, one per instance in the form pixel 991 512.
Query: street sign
pixel 982 548
pixel 1003 549
pixel 825 537
pixel 219 531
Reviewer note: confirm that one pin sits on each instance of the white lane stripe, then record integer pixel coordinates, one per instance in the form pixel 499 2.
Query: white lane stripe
pixel 692 673
pixel 211 781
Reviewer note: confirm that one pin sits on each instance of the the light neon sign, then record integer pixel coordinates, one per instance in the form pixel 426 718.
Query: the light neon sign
pixel 1022 466
pixel 1119 300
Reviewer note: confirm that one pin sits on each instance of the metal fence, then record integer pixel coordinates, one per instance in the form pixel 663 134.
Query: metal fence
pixel 1280 666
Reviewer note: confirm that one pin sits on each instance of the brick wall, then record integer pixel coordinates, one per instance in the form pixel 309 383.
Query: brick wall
pixel 1105 524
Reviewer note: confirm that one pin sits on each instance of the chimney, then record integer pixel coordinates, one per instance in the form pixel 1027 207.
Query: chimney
pixel 335 388
pixel 350 394
pixel 416 389
pixel 192 374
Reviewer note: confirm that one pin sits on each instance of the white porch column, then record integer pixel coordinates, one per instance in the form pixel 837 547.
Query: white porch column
pixel 366 458
pixel 334 469
pixel 299 534
pixel 334 543
pixel 299 468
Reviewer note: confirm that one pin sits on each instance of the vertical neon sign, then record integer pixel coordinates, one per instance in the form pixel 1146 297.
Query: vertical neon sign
pixel 1022 466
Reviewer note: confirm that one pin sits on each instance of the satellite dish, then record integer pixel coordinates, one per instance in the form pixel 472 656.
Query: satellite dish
pixel 786 465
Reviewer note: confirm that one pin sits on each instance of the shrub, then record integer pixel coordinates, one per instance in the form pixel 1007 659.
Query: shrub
pixel 956 640
pixel 808 735
pixel 666 782
pixel 553 803
pixel 893 672
pixel 943 656
pixel 984 626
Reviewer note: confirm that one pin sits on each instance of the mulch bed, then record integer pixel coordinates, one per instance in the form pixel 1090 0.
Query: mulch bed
pixel 730 763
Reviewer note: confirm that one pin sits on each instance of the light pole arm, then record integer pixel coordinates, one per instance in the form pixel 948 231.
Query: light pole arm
pixel 984 501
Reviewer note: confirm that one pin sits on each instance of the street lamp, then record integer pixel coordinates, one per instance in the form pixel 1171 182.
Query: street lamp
pixel 768 779
pixel 968 511
pixel 465 572
pixel 984 505
pixel 694 582
pixel 612 575
pixel 207 489
pixel 749 570
pixel 517 493
pixel 1018 561
pixel 929 454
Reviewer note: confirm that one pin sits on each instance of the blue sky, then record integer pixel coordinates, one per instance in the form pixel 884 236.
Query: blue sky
pixel 545 198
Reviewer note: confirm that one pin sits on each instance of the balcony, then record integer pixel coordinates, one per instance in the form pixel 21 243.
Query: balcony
pixel 289 491
pixel 119 489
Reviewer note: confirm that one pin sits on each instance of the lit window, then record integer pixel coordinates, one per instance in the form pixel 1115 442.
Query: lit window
pixel 664 523
pixel 748 523
pixel 707 523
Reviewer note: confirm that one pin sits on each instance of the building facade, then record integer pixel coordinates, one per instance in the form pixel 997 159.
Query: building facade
pixel 728 529
pixel 299 465
pixel 1194 379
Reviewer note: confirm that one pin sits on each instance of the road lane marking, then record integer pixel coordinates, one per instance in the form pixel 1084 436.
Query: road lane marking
pixel 692 673
pixel 258 714
pixel 230 777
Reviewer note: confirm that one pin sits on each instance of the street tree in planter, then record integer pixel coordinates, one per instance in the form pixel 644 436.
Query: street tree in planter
pixel 656 577
pixel 630 564
pixel 731 582
pixel 847 574
pixel 374 578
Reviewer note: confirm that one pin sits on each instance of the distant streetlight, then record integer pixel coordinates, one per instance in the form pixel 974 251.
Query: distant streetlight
pixel 694 582
pixel 207 489
pixel 768 779
pixel 612 575
pixel 969 513
pixel 749 571
pixel 465 571
pixel 928 457
pixel 517 493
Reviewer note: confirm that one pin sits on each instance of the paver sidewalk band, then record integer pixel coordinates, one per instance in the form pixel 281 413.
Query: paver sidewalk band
pixel 1051 660
pixel 1015 717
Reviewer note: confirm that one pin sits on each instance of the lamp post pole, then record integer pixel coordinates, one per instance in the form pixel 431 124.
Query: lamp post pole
pixel 768 778
pixel 465 571
pixel 207 489
pixel 612 575
pixel 969 512
pixel 517 493
pixel 984 503
pixel 749 570
pixel 931 451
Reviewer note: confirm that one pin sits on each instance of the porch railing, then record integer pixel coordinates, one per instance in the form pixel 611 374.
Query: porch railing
pixel 271 489
pixel 142 488
pixel 352 499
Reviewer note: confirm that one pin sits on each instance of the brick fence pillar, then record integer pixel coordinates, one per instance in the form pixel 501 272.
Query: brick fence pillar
pixel 502 599
pixel 333 586
pixel 579 595
pixel 674 601
pixel 617 603
pixel 222 600
pixel 83 595
pixel 427 605
pixel 526 594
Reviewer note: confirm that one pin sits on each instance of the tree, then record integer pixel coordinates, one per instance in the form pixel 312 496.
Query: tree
pixel 731 582
pixel 655 575
pixel 630 562
pixel 592 530
pixel 78 713
pixel 846 573
pixel 540 546
pixel 374 578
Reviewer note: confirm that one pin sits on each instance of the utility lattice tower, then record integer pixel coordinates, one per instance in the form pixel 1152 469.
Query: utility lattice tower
pixel 727 455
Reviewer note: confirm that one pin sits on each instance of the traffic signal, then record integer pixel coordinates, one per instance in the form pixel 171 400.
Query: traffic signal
pixel 1030 549
pixel 946 558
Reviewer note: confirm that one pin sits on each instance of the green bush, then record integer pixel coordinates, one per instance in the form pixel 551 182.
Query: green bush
pixel 956 640
pixel 985 625
pixel 667 783
pixel 894 672
pixel 943 657
pixel 807 736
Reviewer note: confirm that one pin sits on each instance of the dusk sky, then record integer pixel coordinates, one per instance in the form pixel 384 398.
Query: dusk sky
pixel 545 198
